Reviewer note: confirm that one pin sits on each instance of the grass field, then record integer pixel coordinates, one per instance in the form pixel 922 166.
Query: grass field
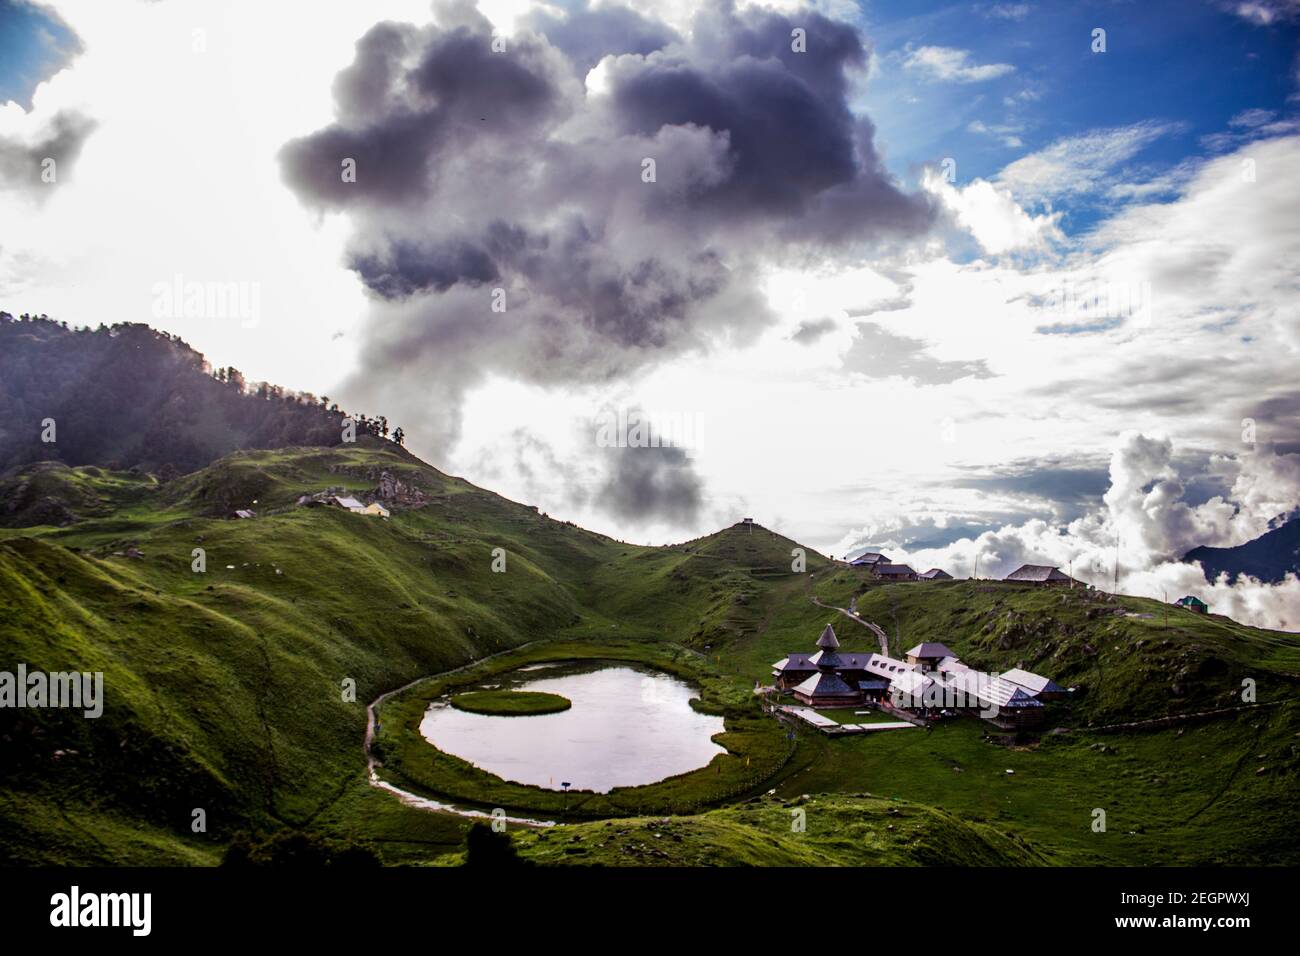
pixel 240 688
pixel 510 703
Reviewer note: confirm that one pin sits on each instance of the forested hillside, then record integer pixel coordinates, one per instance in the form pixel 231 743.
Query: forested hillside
pixel 127 396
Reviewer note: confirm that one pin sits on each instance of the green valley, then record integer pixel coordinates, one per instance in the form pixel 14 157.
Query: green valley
pixel 240 690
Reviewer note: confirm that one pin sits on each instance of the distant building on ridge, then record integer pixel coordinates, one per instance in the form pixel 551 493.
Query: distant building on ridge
pixel 1039 574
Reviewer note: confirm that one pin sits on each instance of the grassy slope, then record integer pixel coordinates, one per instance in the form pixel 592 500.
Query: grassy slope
pixel 1216 791
pixel 510 703
pixel 226 686
pixel 847 831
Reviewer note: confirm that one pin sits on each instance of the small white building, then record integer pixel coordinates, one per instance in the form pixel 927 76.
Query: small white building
pixel 357 508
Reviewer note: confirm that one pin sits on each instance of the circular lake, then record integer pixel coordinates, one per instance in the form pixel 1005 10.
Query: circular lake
pixel 627 727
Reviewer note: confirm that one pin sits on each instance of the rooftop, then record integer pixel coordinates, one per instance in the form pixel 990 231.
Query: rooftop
pixel 826 684
pixel 1037 572
pixel 1034 683
pixel 808 662
pixel 828 638
pixel 870 557
pixel 931 649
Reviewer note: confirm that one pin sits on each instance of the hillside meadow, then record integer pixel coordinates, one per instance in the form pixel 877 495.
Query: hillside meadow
pixel 241 689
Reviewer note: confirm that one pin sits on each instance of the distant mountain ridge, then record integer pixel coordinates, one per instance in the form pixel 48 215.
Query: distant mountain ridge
pixel 1269 557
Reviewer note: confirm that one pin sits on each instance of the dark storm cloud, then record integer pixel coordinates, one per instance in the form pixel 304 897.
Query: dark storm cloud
pixel 362 88
pixel 413 101
pixel 797 153
pixel 407 267
pixel 22 164
pixel 586 35
pixel 648 485
pixel 496 178
pixel 878 353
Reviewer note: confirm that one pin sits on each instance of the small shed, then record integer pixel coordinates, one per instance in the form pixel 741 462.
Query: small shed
pixel 375 508
pixel 1193 604
pixel 936 574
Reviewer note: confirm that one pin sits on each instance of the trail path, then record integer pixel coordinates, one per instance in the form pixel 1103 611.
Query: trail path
pixel 412 799
pixel 874 629
pixel 1174 719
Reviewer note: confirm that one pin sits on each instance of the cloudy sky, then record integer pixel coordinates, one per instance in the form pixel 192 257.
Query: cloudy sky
pixel 1008 280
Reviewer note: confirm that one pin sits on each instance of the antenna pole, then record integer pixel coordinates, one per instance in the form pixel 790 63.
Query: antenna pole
pixel 1116 587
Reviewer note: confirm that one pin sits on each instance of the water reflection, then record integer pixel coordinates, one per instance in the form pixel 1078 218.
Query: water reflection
pixel 627 727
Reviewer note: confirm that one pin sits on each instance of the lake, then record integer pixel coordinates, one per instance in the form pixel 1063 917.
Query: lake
pixel 627 727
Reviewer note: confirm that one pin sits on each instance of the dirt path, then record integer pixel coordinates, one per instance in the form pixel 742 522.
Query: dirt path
pixel 874 629
pixel 412 799
pixel 1173 720
pixel 372 707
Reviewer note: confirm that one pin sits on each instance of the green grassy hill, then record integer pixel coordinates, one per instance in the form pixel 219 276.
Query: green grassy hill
pixel 226 688
pixel 854 830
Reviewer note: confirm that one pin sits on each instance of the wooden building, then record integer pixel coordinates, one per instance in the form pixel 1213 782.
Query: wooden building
pixel 895 572
pixel 826 687
pixel 1041 574
pixel 928 655
pixel 932 680
pixel 1036 685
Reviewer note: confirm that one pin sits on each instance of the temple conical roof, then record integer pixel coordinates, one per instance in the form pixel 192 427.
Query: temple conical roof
pixel 823 684
pixel 826 659
pixel 828 638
